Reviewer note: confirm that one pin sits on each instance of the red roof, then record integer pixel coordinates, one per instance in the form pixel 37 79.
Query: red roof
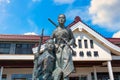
pixel 114 40
pixel 77 19
pixel 34 38
pixel 7 37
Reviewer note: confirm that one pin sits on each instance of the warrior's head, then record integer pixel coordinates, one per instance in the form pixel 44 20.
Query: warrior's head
pixel 50 45
pixel 61 19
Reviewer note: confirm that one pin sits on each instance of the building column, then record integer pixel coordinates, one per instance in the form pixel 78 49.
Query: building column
pixel 1 72
pixel 95 74
pixel 110 70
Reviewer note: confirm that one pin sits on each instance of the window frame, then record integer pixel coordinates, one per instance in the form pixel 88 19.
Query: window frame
pixel 91 44
pixel 86 43
pixel 80 43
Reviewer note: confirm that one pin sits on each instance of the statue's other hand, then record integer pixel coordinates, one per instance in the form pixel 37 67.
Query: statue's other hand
pixel 71 42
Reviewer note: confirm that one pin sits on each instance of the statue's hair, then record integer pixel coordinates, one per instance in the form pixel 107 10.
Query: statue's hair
pixel 62 14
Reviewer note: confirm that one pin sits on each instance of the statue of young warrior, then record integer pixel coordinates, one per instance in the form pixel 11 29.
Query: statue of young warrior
pixel 46 62
pixel 64 63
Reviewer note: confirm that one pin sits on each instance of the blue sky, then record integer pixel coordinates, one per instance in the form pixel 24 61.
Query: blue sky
pixel 30 16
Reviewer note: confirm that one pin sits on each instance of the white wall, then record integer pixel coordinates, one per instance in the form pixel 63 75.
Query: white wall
pixel 104 53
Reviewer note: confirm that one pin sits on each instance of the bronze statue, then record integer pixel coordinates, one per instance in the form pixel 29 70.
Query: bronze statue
pixel 46 62
pixel 55 62
pixel 64 63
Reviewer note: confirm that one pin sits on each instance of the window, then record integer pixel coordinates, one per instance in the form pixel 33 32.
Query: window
pixel 105 76
pixel 18 45
pixel 73 78
pixel 80 43
pixel 21 77
pixel 74 53
pixel 5 48
pixel 96 53
pixel 81 53
pixel 85 43
pixel 88 53
pixel 83 77
pixel 4 45
pixel 24 48
pixel 91 44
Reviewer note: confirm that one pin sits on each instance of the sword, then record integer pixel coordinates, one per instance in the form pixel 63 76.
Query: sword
pixel 73 52
pixel 34 75
pixel 52 22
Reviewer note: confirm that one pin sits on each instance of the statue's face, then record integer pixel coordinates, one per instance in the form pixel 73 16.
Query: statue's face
pixel 50 45
pixel 61 19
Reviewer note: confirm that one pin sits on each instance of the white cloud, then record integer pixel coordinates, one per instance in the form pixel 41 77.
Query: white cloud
pixel 30 33
pixel 64 1
pixel 81 11
pixel 3 6
pixel 4 1
pixel 116 35
pixel 32 25
pixel 106 13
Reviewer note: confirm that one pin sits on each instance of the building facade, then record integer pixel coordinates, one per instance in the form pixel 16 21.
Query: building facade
pixel 97 58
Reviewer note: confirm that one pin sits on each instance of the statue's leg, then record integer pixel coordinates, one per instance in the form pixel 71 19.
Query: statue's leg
pixel 57 77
